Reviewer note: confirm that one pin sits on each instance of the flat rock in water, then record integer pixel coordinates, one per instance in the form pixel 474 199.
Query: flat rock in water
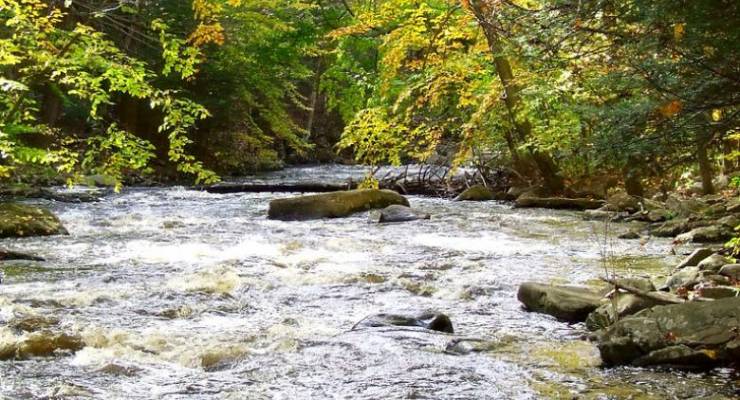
pixel 558 203
pixel 689 335
pixel 568 303
pixel 22 220
pixel 332 205
pixel 476 193
pixel 429 320
pixel 397 213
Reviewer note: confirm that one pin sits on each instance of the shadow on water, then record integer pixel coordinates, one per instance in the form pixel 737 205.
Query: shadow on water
pixel 180 294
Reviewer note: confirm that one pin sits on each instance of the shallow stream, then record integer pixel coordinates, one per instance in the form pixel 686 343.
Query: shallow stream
pixel 185 294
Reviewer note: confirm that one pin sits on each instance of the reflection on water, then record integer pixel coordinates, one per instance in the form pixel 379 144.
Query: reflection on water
pixel 181 294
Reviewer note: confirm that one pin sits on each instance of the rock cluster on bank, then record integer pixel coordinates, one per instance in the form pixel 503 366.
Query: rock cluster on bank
pixel 692 321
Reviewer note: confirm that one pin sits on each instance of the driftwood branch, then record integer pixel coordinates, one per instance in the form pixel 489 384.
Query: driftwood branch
pixel 644 294
pixel 665 299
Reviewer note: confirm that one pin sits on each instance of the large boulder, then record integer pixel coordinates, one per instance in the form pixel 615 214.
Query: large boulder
pixel 689 335
pixel 476 193
pixel 621 201
pixel 21 220
pixel 671 227
pixel 429 320
pixel 568 303
pixel 526 201
pixel 685 207
pixel 707 234
pixel 397 213
pixel 333 204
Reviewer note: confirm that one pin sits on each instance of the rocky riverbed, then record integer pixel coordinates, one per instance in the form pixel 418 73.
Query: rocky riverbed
pixel 175 293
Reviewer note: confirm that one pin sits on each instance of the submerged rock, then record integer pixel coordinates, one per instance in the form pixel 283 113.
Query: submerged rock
pixel 689 335
pixel 21 220
pixel 40 344
pixel 7 255
pixel 558 203
pixel 429 320
pixel 332 205
pixel 630 235
pixel 476 193
pixel 568 303
pixel 397 213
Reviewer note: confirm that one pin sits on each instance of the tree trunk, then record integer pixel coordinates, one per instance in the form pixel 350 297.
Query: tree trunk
pixel 705 165
pixel 512 99
pixel 632 178
pixel 314 99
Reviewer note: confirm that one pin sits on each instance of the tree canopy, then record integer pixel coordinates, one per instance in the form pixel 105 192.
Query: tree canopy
pixel 557 91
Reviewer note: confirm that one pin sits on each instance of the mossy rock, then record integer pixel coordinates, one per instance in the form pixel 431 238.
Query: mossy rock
pixel 21 220
pixel 333 205
pixel 567 303
pixel 476 193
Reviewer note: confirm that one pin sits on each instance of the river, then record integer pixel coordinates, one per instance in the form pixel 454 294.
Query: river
pixel 184 294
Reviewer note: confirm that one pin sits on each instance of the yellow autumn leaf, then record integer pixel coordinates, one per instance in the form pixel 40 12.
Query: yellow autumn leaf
pixel 679 30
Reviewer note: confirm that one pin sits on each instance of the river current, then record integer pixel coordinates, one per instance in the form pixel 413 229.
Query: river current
pixel 181 294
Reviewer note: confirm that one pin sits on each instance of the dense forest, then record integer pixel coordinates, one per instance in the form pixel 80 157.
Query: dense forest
pixel 644 92
pixel 370 199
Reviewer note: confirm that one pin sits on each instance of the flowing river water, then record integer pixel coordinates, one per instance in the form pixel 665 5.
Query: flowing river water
pixel 184 294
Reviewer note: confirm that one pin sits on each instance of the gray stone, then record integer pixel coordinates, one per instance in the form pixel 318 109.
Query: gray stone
pixel 671 228
pixel 706 234
pixel 644 284
pixel 429 320
pixel 695 257
pixel 568 303
pixel 718 292
pixel 332 205
pixel 684 207
pixel 650 337
pixel 731 271
pixel 397 213
pixel 713 263
pixel 631 235
pixel 733 205
pixel 621 201
pixel 626 304
pixel 684 277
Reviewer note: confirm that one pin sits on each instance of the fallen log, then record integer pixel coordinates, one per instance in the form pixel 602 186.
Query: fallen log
pixel 662 298
pixel 310 187
pixel 558 203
